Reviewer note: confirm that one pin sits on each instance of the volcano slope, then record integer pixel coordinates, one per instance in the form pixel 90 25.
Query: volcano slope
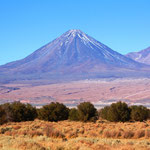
pixel 72 56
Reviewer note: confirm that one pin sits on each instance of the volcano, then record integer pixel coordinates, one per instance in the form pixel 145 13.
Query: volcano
pixel 72 56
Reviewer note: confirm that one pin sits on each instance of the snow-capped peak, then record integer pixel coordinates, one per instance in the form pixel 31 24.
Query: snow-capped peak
pixel 73 32
pixel 87 40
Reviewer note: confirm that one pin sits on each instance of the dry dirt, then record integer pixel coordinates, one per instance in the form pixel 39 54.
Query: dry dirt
pixel 99 92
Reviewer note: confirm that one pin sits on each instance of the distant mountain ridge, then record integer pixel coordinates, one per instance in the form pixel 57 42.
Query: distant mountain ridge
pixel 142 56
pixel 73 55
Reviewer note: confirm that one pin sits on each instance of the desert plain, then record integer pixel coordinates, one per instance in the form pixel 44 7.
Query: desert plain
pixel 99 92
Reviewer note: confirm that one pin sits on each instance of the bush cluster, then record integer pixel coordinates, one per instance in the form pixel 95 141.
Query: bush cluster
pixel 3 117
pixel 120 111
pixel 139 113
pixel 58 112
pixel 85 112
pixel 17 112
pixel 73 114
pixel 53 112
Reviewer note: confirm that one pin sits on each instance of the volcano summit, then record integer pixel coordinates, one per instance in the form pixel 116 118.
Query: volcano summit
pixel 72 56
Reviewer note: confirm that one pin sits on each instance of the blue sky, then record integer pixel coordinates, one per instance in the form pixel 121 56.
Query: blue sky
pixel 26 25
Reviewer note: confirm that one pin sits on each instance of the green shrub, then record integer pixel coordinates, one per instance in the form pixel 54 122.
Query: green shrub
pixel 22 112
pixel 17 112
pixel 148 113
pixel 116 112
pixel 87 112
pixel 73 114
pixel 103 113
pixel 53 112
pixel 3 118
pixel 139 113
pixel 30 113
pixel 119 112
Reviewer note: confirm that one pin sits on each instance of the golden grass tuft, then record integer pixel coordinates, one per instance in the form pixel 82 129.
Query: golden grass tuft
pixel 16 127
pixel 128 134
pixel 51 132
pixel 139 134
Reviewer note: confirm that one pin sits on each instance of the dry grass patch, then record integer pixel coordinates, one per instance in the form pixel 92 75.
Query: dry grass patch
pixel 69 135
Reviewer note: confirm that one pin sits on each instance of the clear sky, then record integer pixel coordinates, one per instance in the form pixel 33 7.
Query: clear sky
pixel 26 25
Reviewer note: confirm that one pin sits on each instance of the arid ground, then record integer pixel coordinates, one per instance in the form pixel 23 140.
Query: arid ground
pixel 99 92
pixel 67 135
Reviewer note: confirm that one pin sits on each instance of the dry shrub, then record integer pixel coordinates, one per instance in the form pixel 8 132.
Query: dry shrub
pixel 107 134
pixel 22 132
pixel 128 134
pixel 129 147
pixel 1 145
pixel 101 132
pixel 82 131
pixel 57 134
pixel 97 125
pixel 50 132
pixel 102 147
pixel 103 127
pixel 16 127
pixel 147 133
pixel 143 125
pixel 36 126
pixel 65 131
pixel 35 133
pixel 28 145
pixel 86 142
pixel 93 134
pixel 139 134
pixel 14 133
pixel 130 143
pixel 3 130
pixel 72 135
pixel 112 134
pixel 8 133
pixel 116 134
pixel 60 148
